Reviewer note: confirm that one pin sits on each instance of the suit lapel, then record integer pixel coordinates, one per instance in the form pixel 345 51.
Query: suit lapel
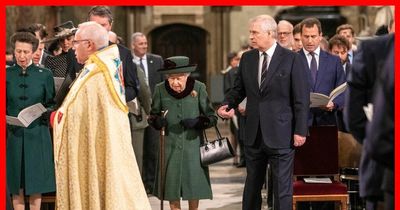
pixel 253 70
pixel 273 65
pixel 323 61
pixel 150 67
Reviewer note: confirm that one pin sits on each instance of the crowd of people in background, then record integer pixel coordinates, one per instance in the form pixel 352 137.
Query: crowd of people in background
pixel 269 116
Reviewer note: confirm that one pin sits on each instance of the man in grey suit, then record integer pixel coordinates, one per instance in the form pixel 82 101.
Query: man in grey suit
pixel 275 83
pixel 147 145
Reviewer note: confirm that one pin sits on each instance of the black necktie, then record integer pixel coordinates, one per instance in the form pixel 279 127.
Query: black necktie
pixel 313 67
pixel 264 68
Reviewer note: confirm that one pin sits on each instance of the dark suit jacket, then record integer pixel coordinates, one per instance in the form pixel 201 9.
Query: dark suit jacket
pixel 339 113
pixel 330 75
pixel 379 143
pixel 130 73
pixel 281 108
pixel 361 81
pixel 229 79
pixel 73 67
pixel 154 63
pixel 368 62
pixel 380 135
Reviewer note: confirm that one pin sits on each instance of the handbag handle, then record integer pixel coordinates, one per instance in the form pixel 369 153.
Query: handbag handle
pixel 218 134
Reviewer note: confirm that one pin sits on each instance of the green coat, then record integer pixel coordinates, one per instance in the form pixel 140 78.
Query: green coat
pixel 185 177
pixel 29 150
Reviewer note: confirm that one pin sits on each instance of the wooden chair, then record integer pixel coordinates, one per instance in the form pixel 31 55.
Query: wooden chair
pixel 319 157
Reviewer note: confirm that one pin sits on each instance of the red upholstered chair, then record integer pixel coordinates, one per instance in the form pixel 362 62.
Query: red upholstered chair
pixel 319 157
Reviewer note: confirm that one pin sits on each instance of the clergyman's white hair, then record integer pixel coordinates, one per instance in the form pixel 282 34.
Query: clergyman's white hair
pixel 95 32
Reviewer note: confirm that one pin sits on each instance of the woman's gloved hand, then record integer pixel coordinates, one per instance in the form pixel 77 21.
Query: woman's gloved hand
pixel 200 122
pixel 157 121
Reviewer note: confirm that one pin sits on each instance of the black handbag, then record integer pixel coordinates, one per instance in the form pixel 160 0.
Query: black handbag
pixel 215 151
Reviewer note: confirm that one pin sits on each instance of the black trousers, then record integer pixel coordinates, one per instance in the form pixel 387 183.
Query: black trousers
pixel 281 163
pixel 151 147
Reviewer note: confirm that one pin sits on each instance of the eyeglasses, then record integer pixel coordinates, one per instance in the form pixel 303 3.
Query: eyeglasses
pixel 284 33
pixel 76 42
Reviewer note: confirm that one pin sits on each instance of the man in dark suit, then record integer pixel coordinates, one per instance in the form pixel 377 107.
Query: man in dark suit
pixel 275 83
pixel 339 46
pixel 146 144
pixel 229 75
pixel 361 80
pixel 325 72
pixel 379 143
pixel 102 15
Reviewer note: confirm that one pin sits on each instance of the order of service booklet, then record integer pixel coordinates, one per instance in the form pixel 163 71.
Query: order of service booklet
pixel 319 99
pixel 322 180
pixel 27 115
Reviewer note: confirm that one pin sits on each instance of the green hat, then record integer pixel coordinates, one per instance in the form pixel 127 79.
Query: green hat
pixel 177 64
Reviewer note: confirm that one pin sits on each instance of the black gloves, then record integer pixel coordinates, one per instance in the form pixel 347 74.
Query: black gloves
pixel 199 123
pixel 157 122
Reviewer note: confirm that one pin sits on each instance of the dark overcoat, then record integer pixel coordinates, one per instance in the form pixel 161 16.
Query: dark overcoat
pixel 185 176
pixel 30 162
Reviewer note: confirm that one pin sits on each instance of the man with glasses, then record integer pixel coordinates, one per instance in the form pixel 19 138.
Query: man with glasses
pixel 95 163
pixel 285 36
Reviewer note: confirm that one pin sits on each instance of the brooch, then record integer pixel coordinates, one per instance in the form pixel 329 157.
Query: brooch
pixel 193 93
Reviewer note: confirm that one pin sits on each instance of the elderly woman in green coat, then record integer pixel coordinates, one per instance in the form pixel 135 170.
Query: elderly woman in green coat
pixel 189 112
pixel 30 166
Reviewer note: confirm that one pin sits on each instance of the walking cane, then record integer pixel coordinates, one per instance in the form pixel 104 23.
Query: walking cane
pixel 162 169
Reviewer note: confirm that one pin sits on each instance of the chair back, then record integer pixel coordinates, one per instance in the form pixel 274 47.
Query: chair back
pixel 319 155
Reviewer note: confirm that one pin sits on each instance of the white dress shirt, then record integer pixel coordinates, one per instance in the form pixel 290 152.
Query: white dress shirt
pixel 309 56
pixel 269 52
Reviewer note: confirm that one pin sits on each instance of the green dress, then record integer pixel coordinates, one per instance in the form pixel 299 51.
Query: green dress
pixel 30 164
pixel 185 177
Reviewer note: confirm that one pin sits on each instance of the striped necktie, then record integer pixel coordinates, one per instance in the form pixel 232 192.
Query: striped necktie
pixel 264 69
pixel 141 65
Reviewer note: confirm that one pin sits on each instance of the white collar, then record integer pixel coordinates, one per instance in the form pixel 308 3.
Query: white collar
pixel 316 51
pixel 270 51
pixel 138 58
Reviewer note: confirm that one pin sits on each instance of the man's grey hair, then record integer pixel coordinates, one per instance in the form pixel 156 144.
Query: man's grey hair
pixel 95 32
pixel 268 24
pixel 285 22
pixel 136 34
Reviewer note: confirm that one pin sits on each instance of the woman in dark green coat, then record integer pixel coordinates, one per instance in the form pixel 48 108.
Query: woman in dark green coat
pixel 189 112
pixel 30 166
